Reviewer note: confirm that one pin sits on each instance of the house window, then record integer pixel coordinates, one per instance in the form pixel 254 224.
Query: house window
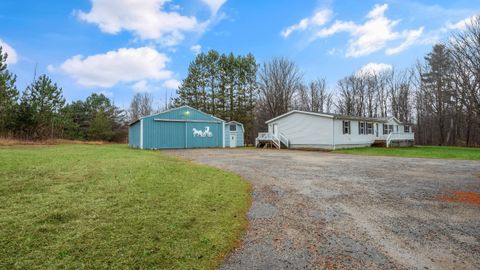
pixel 369 128
pixel 233 127
pixel 346 127
pixel 406 129
pixel 361 127
pixel 387 129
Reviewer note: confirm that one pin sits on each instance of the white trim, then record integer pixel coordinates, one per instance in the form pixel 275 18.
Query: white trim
pixel 297 111
pixel 141 133
pixel 395 119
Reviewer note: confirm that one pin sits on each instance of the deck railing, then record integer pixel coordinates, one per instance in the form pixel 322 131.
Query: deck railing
pixel 399 136
pixel 284 140
pixel 276 140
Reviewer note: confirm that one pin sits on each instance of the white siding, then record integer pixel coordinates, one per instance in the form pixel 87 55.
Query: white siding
pixel 395 126
pixel 316 131
pixel 305 130
pixel 354 139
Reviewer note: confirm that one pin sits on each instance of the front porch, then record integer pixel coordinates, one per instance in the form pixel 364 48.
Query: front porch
pixel 271 140
pixel 395 139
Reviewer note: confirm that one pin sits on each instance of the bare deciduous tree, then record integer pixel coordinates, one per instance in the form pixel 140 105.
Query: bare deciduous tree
pixel 465 51
pixel 279 81
pixel 140 106
pixel 315 97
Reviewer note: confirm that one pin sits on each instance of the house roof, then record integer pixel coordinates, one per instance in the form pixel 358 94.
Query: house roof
pixel 337 116
pixel 297 111
pixel 173 109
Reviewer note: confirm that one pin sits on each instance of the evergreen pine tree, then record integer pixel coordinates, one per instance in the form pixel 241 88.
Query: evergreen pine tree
pixel 8 97
pixel 40 107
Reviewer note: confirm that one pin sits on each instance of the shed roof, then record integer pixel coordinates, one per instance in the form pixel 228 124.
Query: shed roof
pixel 235 122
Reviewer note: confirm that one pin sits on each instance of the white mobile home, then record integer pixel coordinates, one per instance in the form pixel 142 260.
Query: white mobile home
pixel 300 129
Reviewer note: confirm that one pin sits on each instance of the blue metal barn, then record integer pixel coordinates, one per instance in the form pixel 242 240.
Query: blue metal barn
pixel 184 127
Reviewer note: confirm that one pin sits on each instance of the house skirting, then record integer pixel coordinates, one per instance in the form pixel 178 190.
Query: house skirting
pixel 327 146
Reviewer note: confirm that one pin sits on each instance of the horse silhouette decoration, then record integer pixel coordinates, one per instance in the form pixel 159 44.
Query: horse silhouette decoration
pixel 202 133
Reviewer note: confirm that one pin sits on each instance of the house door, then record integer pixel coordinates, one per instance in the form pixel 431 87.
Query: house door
pixel 233 140
pixel 275 129
pixel 376 129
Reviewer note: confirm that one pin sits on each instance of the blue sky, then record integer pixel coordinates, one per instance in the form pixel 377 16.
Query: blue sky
pixel 120 47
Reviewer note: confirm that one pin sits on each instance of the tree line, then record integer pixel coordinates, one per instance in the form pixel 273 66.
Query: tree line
pixel 40 112
pixel 439 95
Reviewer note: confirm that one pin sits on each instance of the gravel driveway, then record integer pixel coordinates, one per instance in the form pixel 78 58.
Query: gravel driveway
pixel 322 210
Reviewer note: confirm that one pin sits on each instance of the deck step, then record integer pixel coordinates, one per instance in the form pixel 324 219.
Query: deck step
pixel 267 144
pixel 379 143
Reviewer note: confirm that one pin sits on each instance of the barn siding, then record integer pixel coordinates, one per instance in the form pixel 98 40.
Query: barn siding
pixel 174 129
pixel 204 142
pixel 158 134
pixel 134 135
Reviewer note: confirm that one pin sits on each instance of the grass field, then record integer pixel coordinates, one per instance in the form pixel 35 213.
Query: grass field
pixel 107 206
pixel 442 152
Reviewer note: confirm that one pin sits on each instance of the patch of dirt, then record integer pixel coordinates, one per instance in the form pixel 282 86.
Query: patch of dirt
pixel 462 196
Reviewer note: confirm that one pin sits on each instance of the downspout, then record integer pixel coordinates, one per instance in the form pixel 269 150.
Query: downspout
pixel 141 133
pixel 333 132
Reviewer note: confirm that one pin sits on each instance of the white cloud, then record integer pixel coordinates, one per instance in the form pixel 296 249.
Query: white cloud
pixel 147 19
pixel 12 54
pixel 460 25
pixel 113 67
pixel 171 84
pixel 411 36
pixel 372 35
pixel 373 68
pixel 141 86
pixel 319 18
pixel 214 5
pixel 196 49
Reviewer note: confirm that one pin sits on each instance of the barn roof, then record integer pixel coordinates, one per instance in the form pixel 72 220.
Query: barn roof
pixel 174 109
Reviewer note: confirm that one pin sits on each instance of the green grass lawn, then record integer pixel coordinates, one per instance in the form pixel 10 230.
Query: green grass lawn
pixel 443 152
pixel 108 206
